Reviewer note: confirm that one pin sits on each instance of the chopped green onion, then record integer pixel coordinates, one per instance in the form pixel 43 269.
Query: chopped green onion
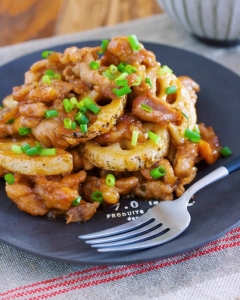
pixel 91 105
pixel 51 113
pixel 134 138
pixel 81 118
pixel 185 115
pixel 38 146
pixel 109 75
pixel 32 151
pixel 121 82
pixel 121 66
pixel 148 80
pixel 122 76
pixel 94 108
pixel 225 151
pixel 10 121
pixel 57 76
pixel 104 45
pixel 130 69
pixel 67 123
pixel 164 70
pixel 77 201
pixel 46 79
pixel 110 180
pixel 80 104
pixel 50 73
pixel 74 125
pixel 171 89
pixel 122 91
pixel 73 101
pixel 196 129
pixel 83 109
pixel 94 65
pixel 146 107
pixel 192 136
pixel 84 127
pixel 158 172
pixel 138 81
pixel 154 137
pixel 67 105
pixel 134 43
pixel 16 149
pixel 9 178
pixel 47 152
pixel 113 69
pixel 25 147
pixel 46 53
pixel 97 196
pixel 24 130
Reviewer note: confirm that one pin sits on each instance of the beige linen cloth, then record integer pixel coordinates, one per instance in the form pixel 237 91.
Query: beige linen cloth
pixel 210 272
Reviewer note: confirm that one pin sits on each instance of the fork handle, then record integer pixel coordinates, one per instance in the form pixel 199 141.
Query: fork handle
pixel 233 165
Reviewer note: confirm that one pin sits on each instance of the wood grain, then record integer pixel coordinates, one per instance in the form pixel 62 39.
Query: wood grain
pixel 29 19
pixel 22 20
pixel 77 15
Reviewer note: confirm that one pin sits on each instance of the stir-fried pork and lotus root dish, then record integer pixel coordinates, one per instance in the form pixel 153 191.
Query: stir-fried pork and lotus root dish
pixel 90 126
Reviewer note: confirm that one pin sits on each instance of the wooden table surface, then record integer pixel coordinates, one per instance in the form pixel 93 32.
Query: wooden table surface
pixel 23 20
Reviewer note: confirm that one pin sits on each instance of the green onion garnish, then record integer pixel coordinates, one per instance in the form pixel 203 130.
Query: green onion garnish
pixel 109 75
pixel 97 196
pixel 148 80
pixel 51 113
pixel 134 43
pixel 57 76
pixel 146 107
pixel 46 79
pixel 16 149
pixel 121 66
pixel 225 151
pixel 83 109
pixel 192 136
pixel 94 65
pixel 121 77
pixel 91 105
pixel 164 70
pixel 171 89
pixel 110 180
pixel 32 151
pixel 121 82
pixel 24 130
pixel 158 172
pixel 81 118
pixel 10 121
pixel 196 129
pixel 113 69
pixel 50 73
pixel 73 101
pixel 46 53
pixel 130 69
pixel 9 178
pixel 104 45
pixel 67 105
pixel 154 137
pixel 122 91
pixel 77 201
pixel 67 123
pixel 47 152
pixel 138 81
pixel 84 127
pixel 134 138
pixel 25 147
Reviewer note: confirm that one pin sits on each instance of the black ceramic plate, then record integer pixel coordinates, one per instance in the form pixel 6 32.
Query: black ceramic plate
pixel 217 206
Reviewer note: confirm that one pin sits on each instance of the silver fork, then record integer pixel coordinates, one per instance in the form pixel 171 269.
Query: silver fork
pixel 164 222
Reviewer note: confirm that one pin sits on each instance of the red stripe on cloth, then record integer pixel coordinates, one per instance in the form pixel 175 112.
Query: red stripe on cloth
pixel 65 284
